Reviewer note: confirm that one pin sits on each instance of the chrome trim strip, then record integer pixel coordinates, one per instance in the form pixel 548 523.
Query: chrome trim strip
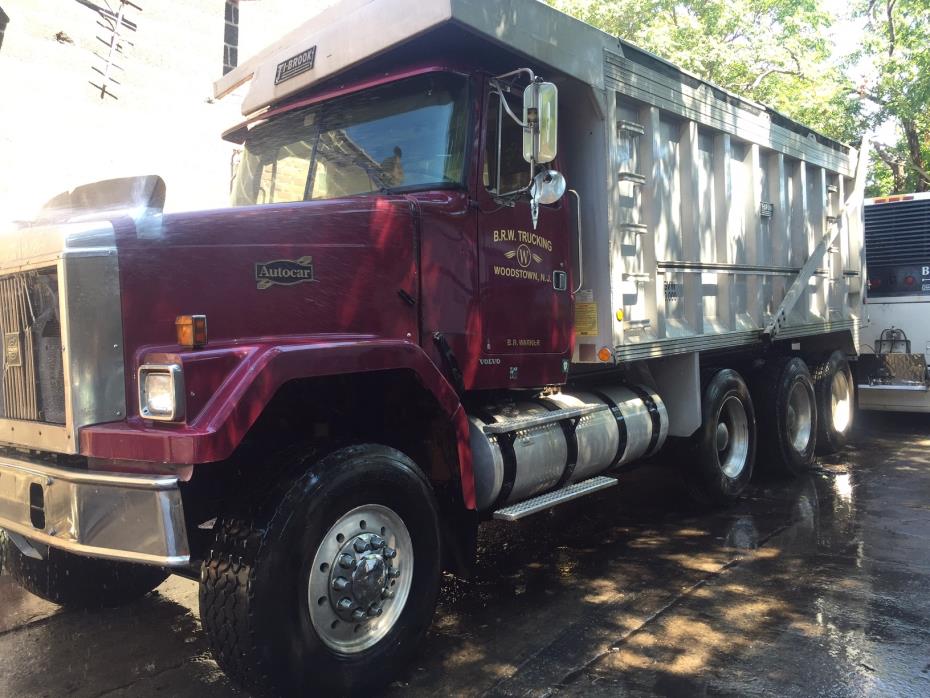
pixel 655 349
pixel 134 518
pixel 38 435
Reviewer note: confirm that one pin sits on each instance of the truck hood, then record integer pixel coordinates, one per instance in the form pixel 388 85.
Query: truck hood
pixel 327 267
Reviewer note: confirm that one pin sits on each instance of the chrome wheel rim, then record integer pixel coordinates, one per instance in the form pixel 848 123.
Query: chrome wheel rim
pixel 360 579
pixel 800 417
pixel 732 437
pixel 840 402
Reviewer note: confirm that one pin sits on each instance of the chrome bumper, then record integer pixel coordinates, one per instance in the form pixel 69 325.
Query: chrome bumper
pixel 136 518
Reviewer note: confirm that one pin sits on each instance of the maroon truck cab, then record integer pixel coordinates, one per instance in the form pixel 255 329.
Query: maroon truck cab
pixel 442 285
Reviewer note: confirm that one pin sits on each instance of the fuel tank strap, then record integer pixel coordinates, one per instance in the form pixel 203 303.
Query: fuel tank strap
pixel 653 410
pixel 621 426
pixel 571 441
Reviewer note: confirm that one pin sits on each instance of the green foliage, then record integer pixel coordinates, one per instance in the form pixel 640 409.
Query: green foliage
pixel 779 52
pixel 774 51
pixel 897 45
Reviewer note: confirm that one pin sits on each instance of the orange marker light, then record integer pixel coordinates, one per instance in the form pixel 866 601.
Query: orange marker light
pixel 605 354
pixel 192 330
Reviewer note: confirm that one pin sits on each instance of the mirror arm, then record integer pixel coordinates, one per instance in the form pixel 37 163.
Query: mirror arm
pixel 506 106
pixel 514 73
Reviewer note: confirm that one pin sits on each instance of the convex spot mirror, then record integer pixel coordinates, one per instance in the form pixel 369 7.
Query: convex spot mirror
pixel 548 187
pixel 540 114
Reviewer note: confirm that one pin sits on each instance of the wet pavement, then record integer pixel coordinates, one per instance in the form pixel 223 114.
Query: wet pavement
pixel 820 586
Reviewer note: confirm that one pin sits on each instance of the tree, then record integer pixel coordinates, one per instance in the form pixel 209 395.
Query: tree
pixel 897 47
pixel 777 52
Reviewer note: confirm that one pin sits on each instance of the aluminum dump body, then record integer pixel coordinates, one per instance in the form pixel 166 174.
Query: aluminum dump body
pixel 713 206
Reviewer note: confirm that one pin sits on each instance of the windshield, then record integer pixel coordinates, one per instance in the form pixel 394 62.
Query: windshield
pixel 409 134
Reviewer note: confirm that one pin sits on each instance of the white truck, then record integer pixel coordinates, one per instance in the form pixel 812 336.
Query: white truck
pixel 892 368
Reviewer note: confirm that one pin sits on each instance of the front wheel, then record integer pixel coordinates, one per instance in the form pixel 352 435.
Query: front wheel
pixel 331 591
pixel 723 450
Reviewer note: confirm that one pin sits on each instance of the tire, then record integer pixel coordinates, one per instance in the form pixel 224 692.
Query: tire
pixel 269 605
pixel 76 581
pixel 787 416
pixel 716 475
pixel 836 402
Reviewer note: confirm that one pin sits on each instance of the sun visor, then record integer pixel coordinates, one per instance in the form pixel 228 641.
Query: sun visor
pixel 329 44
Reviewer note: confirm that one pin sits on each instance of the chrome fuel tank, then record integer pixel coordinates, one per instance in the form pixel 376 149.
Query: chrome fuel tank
pixel 516 465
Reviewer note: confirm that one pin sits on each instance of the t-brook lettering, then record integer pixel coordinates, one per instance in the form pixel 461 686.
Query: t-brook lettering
pixel 295 65
pixel 522 255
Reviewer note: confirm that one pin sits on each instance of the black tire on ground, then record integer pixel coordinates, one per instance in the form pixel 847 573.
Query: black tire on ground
pixel 257 582
pixel 783 393
pixel 836 401
pixel 723 450
pixel 76 581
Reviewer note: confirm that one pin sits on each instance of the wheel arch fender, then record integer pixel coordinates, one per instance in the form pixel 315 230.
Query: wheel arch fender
pixel 258 374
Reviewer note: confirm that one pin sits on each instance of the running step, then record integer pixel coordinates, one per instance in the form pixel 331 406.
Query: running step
pixel 551 499
pixel 542 419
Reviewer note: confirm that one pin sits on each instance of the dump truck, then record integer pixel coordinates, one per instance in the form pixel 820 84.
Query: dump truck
pixel 480 259
pixel 892 373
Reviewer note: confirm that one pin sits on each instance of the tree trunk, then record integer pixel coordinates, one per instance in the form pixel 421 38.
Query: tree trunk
pixel 915 155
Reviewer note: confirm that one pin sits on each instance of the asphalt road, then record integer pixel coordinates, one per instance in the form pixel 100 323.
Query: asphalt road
pixel 820 586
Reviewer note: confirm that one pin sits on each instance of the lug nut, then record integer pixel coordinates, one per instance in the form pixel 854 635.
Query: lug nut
pixel 375 611
pixel 346 561
pixel 345 604
pixel 378 542
pixel 387 594
pixel 340 583
pixel 389 553
pixel 394 573
pixel 361 546
pixel 359 615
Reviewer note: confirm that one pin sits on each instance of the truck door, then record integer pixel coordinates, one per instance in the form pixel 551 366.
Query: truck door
pixel 523 272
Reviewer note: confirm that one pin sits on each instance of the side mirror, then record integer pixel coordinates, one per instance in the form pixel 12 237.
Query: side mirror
pixel 541 116
pixel 547 187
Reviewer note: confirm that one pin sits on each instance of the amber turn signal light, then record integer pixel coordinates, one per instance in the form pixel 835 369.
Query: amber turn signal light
pixel 192 330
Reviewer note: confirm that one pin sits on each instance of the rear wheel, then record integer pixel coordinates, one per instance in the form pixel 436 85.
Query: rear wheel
pixel 833 385
pixel 332 590
pixel 76 581
pixel 784 397
pixel 723 449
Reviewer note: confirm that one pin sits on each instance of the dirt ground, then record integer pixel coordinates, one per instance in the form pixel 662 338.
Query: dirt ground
pixel 820 586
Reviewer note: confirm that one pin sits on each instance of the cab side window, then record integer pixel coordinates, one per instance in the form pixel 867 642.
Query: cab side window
pixel 509 172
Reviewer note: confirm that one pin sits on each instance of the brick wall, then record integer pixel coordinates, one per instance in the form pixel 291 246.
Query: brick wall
pixel 55 130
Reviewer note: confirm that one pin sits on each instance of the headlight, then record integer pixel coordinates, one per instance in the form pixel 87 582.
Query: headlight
pixel 161 392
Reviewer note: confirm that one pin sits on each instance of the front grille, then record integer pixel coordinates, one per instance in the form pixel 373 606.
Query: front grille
pixel 33 385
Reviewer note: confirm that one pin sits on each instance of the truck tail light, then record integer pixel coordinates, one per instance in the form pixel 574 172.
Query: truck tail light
pixel 192 330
